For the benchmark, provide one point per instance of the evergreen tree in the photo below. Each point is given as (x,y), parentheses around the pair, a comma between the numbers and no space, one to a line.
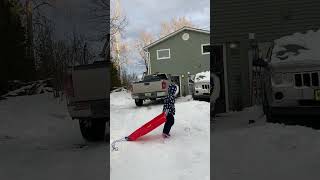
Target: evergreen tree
(14,65)
(115,79)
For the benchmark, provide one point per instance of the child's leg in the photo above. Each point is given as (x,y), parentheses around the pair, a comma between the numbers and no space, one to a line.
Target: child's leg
(168,124)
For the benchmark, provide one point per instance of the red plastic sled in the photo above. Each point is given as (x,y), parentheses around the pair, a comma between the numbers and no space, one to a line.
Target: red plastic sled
(146,128)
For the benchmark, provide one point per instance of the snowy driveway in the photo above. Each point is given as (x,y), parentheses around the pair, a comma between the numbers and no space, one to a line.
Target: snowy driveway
(185,155)
(262,150)
(38,140)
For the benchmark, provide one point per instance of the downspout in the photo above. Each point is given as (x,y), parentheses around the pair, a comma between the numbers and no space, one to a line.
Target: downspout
(149,63)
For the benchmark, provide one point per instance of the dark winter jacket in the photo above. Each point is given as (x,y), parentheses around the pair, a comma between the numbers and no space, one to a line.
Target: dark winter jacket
(170,100)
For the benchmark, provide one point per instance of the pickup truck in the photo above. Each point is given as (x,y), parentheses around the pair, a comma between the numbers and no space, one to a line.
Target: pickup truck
(87,88)
(151,87)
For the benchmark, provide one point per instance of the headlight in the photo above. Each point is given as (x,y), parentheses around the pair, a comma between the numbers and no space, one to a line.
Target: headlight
(287,78)
(282,78)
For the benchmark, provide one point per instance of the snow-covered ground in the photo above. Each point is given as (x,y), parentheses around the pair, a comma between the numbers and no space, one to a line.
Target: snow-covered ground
(185,156)
(38,140)
(262,150)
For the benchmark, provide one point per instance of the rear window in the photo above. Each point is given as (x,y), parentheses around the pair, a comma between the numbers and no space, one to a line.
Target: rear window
(157,77)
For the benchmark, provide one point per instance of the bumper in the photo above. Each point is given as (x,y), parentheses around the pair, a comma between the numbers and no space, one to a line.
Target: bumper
(153,95)
(89,109)
(201,96)
(296,110)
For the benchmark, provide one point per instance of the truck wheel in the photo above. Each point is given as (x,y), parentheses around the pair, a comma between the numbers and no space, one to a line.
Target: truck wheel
(138,102)
(194,97)
(270,117)
(92,129)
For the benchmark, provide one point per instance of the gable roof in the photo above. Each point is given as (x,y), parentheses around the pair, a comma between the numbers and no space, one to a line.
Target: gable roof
(174,33)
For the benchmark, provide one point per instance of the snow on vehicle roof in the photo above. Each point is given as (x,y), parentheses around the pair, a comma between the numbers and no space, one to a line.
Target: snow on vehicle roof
(202,77)
(297,47)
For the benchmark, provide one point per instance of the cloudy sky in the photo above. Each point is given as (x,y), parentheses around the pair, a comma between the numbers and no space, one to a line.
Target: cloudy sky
(144,15)
(147,15)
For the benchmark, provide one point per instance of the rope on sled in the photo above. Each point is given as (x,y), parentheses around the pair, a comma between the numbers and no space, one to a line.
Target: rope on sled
(113,144)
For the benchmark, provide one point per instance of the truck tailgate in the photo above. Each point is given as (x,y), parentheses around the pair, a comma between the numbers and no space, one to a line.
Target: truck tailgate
(90,83)
(144,87)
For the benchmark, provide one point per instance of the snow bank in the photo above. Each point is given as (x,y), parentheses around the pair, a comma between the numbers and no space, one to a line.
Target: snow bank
(297,47)
(121,97)
(29,88)
(202,77)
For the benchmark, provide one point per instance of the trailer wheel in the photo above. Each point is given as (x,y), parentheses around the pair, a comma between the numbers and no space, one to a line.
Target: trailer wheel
(92,129)
(138,102)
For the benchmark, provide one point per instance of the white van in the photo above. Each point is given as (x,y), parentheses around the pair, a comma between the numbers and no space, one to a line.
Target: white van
(293,87)
(201,86)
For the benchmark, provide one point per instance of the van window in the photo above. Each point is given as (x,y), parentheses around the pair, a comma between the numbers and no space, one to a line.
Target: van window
(306,79)
(315,79)
(298,80)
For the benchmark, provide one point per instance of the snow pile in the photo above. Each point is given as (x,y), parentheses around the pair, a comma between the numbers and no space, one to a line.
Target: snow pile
(185,155)
(202,77)
(121,97)
(119,89)
(29,88)
(297,47)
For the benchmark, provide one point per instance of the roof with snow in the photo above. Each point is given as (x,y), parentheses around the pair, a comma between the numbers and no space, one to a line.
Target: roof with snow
(174,33)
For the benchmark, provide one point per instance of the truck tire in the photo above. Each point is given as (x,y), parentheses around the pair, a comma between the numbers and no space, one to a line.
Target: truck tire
(194,97)
(268,116)
(138,102)
(271,117)
(92,129)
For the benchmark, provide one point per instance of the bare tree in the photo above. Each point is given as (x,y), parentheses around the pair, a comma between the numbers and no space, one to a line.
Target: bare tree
(145,38)
(174,24)
(108,25)
(33,15)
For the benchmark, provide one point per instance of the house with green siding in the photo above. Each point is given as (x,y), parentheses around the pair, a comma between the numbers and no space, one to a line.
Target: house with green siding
(243,27)
(181,54)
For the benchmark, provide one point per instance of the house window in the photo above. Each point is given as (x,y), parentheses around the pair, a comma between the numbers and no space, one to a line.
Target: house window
(205,48)
(163,54)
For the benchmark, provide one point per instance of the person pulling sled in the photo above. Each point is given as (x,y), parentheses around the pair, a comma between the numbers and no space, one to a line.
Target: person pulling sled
(169,110)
